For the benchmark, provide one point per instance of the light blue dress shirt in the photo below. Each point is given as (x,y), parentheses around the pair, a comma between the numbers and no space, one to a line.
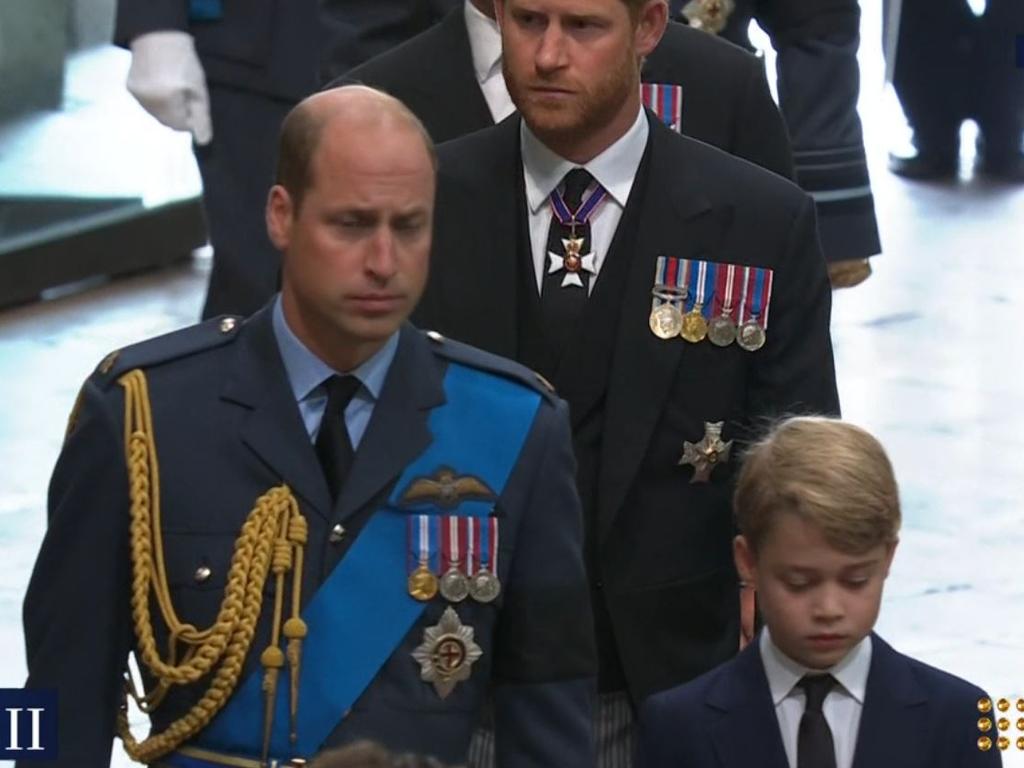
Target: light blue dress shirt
(307,374)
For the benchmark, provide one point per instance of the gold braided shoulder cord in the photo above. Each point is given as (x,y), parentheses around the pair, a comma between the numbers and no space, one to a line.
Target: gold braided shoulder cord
(273,538)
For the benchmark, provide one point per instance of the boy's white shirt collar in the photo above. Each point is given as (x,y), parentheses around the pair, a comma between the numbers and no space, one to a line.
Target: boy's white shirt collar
(783,673)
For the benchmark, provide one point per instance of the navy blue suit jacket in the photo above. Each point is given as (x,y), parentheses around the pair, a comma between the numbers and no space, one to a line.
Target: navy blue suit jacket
(915,716)
(227,428)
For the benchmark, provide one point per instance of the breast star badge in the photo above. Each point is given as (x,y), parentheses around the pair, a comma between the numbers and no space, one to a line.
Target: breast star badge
(447,654)
(707,454)
(573,262)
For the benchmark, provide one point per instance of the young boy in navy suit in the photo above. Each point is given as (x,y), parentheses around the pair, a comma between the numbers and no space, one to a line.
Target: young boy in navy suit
(819,516)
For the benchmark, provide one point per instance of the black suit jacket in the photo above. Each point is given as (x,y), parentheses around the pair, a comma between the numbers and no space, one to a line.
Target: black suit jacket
(726,101)
(663,564)
(915,716)
(227,429)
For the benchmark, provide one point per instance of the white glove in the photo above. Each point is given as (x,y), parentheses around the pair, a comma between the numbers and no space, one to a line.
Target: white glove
(167,79)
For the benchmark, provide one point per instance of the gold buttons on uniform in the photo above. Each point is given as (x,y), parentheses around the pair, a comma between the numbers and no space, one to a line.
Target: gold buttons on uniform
(227,325)
(985,705)
(337,533)
(435,336)
(202,574)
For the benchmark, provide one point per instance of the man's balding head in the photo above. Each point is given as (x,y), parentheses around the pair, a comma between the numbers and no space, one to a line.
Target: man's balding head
(352,109)
(352,215)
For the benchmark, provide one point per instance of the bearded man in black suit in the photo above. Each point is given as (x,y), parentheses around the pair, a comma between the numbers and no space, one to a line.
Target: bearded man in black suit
(637,270)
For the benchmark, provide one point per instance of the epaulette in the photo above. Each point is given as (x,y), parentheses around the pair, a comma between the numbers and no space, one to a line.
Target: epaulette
(502,366)
(170,346)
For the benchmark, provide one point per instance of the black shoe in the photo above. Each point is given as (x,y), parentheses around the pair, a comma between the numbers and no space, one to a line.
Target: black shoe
(925,164)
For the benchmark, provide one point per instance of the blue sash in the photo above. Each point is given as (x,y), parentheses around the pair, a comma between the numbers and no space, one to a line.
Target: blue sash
(363,610)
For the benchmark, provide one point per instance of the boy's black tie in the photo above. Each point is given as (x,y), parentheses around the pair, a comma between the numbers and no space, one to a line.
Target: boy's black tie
(333,445)
(814,745)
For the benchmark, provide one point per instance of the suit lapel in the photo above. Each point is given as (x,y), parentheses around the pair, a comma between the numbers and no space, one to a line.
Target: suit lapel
(742,695)
(892,725)
(397,431)
(272,426)
(460,81)
(480,292)
(677,220)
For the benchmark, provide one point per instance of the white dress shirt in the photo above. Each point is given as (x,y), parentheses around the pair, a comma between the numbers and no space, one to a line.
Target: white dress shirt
(485,43)
(614,169)
(842,707)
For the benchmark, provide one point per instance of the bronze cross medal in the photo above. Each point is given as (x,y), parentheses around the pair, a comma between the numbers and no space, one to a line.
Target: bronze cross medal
(707,454)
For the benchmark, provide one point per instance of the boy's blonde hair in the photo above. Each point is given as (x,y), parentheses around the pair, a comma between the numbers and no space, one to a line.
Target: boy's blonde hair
(827,472)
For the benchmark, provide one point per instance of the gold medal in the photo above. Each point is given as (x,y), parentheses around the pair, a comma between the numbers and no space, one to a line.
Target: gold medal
(722,330)
(694,327)
(751,336)
(454,585)
(666,321)
(422,584)
(447,653)
(484,587)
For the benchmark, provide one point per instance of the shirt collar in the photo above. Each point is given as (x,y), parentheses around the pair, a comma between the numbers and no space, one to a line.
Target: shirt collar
(306,371)
(614,169)
(484,41)
(783,673)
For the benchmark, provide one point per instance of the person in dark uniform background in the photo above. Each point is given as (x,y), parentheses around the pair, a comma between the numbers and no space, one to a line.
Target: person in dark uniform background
(818,86)
(949,65)
(229,71)
(412,498)
(580,238)
(725,98)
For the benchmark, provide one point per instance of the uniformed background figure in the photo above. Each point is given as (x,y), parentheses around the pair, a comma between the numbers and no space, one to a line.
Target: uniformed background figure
(240,65)
(722,95)
(364,463)
(818,86)
(593,243)
(949,65)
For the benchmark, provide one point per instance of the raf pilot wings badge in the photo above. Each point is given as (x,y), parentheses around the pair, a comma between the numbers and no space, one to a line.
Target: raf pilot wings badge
(446,489)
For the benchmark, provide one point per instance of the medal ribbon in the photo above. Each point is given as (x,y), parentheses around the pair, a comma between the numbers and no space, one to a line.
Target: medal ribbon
(769,279)
(756,295)
(724,290)
(583,213)
(666,101)
(707,287)
(492,525)
(745,282)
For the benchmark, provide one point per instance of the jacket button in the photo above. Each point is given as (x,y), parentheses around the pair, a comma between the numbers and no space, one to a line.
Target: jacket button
(337,533)
(202,574)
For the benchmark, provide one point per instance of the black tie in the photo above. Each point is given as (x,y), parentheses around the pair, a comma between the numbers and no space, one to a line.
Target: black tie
(333,445)
(562,306)
(814,746)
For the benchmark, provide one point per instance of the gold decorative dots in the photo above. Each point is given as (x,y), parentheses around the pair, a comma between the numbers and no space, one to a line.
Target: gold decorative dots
(985,705)
(984,743)
(1020,723)
(1020,743)
(1002,705)
(1020,705)
(984,724)
(1004,743)
(1003,724)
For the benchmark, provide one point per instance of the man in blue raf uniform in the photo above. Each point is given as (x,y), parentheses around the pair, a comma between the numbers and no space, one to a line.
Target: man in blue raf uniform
(319,524)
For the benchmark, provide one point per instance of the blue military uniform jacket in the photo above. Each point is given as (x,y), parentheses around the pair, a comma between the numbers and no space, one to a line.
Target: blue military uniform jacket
(227,429)
(915,716)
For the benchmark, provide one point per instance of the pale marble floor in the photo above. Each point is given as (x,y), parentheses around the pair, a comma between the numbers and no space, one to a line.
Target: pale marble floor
(929,358)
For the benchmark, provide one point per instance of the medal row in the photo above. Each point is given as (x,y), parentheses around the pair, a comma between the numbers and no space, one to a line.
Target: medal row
(454,555)
(699,300)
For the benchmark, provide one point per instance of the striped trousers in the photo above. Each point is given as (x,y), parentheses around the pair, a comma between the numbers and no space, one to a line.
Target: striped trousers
(613,732)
